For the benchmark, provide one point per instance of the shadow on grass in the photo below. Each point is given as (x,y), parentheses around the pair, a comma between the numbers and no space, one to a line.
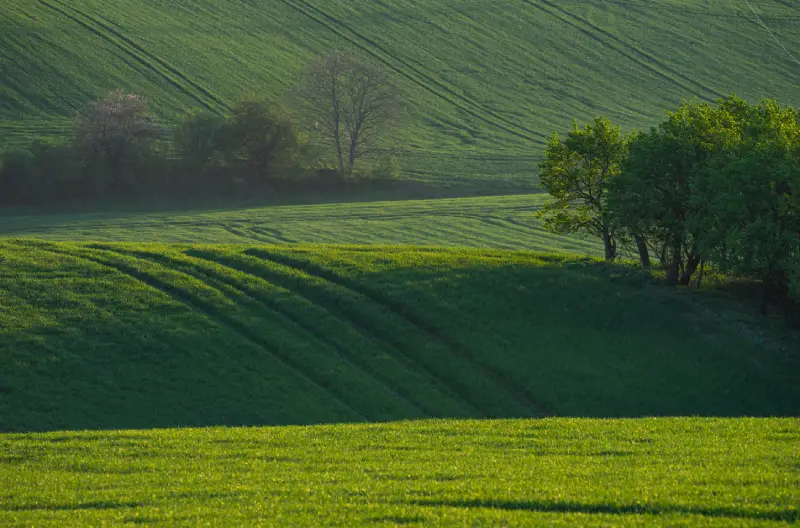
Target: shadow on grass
(631,509)
(398,519)
(559,336)
(94,505)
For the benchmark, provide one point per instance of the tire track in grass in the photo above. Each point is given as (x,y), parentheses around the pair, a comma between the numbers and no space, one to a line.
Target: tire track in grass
(518,393)
(249,239)
(271,233)
(420,72)
(206,274)
(137,52)
(193,303)
(450,96)
(108,25)
(634,54)
(411,364)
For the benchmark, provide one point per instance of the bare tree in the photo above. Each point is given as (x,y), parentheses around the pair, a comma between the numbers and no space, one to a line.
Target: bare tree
(349,104)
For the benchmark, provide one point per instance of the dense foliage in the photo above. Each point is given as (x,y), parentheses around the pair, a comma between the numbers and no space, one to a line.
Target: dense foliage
(714,183)
(577,172)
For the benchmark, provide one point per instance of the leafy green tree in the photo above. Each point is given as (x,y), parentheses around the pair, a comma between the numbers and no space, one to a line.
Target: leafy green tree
(265,137)
(652,196)
(577,172)
(201,137)
(746,206)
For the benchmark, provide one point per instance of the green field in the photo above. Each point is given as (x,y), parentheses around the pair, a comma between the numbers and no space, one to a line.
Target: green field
(391,362)
(112,349)
(485,82)
(553,472)
(140,336)
(505,222)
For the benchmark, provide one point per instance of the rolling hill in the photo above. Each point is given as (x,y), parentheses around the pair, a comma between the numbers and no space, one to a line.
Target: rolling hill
(459,366)
(485,82)
(98,336)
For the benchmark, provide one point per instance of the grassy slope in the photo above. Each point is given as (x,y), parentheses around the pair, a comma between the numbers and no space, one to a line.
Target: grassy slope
(505,222)
(154,336)
(485,81)
(555,472)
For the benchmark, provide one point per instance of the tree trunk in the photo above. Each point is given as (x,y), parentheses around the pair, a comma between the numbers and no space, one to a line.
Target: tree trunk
(673,270)
(609,244)
(353,153)
(339,153)
(674,266)
(688,271)
(700,276)
(337,121)
(644,252)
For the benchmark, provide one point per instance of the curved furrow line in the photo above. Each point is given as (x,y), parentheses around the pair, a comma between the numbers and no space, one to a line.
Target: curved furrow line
(575,22)
(409,363)
(513,221)
(517,392)
(642,53)
(169,67)
(271,233)
(214,278)
(193,303)
(505,225)
(543,233)
(465,105)
(91,24)
(242,234)
(418,71)
(273,236)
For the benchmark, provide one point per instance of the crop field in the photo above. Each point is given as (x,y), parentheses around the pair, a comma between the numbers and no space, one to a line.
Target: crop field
(485,82)
(552,472)
(505,222)
(146,335)
(401,361)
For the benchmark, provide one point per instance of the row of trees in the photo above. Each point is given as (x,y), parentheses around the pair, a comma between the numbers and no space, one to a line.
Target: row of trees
(344,112)
(714,184)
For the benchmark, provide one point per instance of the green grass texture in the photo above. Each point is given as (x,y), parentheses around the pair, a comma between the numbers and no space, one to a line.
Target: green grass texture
(552,472)
(109,336)
(504,222)
(485,82)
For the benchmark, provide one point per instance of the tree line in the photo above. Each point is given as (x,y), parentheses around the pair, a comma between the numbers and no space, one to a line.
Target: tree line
(343,113)
(714,184)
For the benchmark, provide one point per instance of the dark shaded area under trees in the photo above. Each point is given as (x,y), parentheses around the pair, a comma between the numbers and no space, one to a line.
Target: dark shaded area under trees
(119,152)
(713,185)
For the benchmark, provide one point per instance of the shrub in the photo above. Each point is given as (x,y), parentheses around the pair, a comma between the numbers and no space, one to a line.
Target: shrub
(387,169)
(200,138)
(57,174)
(17,177)
(263,136)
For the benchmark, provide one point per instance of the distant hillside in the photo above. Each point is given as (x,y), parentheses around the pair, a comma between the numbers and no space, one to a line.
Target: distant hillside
(497,222)
(486,81)
(139,336)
